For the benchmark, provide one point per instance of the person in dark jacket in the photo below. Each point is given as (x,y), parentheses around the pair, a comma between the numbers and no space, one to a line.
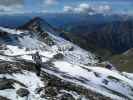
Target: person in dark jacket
(38,62)
(110,67)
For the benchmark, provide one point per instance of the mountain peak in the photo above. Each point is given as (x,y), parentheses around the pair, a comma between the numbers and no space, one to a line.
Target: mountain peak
(33,25)
(38,24)
(36,20)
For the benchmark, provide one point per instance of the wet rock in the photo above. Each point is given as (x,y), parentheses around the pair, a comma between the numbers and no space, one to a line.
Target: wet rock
(38,90)
(6,84)
(42,96)
(22,92)
(67,96)
(51,91)
(71,49)
(58,56)
(16,67)
(3,98)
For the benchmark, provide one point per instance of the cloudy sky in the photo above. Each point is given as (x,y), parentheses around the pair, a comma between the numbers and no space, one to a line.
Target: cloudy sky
(73,6)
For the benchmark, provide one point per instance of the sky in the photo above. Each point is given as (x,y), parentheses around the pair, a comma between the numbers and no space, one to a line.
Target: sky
(66,6)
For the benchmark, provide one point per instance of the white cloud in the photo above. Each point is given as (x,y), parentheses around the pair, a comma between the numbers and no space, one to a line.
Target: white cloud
(68,9)
(11,2)
(11,6)
(50,2)
(86,8)
(104,9)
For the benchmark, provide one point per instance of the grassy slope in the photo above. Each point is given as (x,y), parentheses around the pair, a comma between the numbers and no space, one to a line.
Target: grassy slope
(124,62)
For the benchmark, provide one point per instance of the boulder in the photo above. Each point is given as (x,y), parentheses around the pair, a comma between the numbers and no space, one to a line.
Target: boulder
(58,56)
(22,92)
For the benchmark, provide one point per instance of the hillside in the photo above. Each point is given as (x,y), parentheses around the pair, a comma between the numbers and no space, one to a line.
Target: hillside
(123,61)
(68,71)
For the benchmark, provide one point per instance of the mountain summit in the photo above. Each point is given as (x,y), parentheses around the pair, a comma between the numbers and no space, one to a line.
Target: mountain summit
(38,24)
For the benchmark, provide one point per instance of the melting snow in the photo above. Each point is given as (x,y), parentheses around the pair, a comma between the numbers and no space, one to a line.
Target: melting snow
(11,31)
(86,77)
(29,79)
(5,58)
(31,43)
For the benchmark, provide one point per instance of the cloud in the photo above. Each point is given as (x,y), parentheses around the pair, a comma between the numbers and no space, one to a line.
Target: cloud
(11,2)
(103,9)
(11,6)
(82,8)
(86,8)
(50,2)
(68,9)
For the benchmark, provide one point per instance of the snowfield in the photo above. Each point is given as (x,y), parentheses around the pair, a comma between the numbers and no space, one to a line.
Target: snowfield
(29,79)
(95,78)
(77,66)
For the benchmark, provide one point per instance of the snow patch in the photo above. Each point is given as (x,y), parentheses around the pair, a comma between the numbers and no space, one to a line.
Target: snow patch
(29,79)
(11,31)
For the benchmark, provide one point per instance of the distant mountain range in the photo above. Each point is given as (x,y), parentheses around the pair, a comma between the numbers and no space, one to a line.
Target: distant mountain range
(116,36)
(59,20)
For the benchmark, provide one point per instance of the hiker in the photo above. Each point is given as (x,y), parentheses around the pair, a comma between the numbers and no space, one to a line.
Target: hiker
(110,67)
(38,62)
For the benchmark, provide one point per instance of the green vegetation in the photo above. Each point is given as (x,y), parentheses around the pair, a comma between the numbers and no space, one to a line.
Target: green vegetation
(123,62)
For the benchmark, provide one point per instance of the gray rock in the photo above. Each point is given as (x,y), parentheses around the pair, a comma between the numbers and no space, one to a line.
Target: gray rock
(58,56)
(6,84)
(38,90)
(51,91)
(67,96)
(3,98)
(22,92)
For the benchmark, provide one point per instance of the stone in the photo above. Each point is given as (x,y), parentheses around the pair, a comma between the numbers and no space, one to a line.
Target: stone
(3,98)
(22,92)
(51,91)
(38,90)
(5,84)
(58,56)
(67,96)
